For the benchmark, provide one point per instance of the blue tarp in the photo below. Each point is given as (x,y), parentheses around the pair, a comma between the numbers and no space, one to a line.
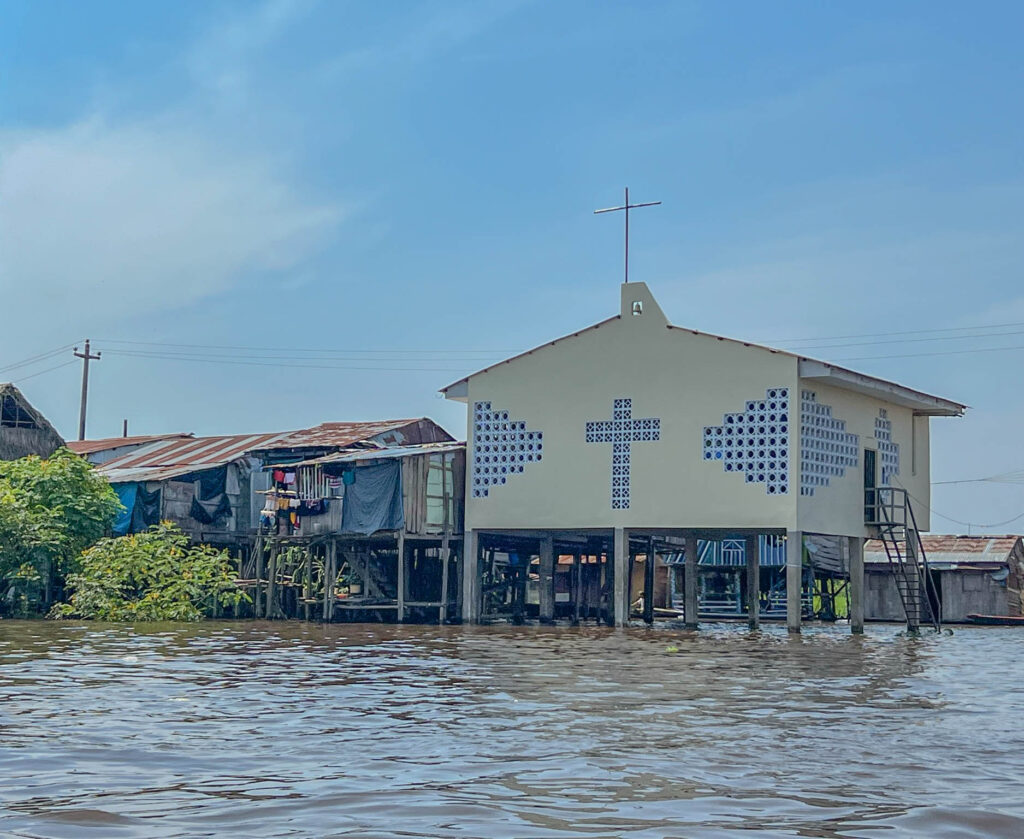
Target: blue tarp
(373,501)
(126,494)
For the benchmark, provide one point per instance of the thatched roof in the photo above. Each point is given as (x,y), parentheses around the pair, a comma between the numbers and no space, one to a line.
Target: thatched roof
(23,430)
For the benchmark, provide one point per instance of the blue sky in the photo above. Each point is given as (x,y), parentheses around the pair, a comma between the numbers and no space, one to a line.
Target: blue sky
(409,187)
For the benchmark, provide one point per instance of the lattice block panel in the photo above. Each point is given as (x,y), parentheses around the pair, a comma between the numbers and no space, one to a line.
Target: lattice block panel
(888,451)
(755,442)
(827,449)
(502,447)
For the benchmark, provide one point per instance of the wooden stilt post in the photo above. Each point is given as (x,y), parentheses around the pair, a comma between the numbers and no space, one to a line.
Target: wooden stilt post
(577,587)
(257,597)
(753,551)
(446,553)
(271,607)
(691,604)
(401,576)
(307,583)
(522,574)
(649,583)
(329,560)
(547,579)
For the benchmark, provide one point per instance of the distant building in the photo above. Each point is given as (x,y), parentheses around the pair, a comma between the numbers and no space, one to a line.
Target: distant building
(972,575)
(23,430)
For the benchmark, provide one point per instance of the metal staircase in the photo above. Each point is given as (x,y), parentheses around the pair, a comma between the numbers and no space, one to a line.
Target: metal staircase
(889,510)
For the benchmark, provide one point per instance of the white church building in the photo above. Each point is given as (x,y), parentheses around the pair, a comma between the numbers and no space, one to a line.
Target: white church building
(633,439)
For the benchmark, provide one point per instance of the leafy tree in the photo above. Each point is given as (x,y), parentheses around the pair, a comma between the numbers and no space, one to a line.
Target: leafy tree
(151,576)
(50,510)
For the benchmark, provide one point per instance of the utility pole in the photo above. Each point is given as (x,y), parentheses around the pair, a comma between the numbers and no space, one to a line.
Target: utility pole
(86,358)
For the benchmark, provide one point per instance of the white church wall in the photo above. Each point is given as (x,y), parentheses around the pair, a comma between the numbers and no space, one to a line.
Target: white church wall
(610,429)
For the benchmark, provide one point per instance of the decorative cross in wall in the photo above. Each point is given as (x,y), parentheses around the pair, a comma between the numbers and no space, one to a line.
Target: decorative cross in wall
(622,431)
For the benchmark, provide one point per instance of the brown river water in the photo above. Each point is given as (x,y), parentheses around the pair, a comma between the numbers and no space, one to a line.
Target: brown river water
(295,730)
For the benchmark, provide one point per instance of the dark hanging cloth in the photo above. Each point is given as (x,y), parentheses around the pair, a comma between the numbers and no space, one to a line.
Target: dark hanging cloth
(213,483)
(373,500)
(212,511)
(147,509)
(315,507)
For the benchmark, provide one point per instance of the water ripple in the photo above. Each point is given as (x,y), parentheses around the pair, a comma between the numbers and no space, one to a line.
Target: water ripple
(295,730)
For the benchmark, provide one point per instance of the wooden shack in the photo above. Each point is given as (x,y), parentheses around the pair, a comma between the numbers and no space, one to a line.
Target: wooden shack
(23,430)
(371,534)
(970,575)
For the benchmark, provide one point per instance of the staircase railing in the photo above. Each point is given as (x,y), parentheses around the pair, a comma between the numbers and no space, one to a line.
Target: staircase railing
(890,511)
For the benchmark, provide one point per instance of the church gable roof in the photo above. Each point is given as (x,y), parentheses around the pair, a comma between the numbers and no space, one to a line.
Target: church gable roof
(638,294)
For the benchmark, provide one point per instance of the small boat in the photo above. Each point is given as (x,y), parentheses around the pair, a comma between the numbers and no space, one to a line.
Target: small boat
(996,620)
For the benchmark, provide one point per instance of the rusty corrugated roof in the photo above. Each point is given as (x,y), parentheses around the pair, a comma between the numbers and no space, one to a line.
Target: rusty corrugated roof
(166,459)
(940,548)
(343,434)
(103,444)
(170,457)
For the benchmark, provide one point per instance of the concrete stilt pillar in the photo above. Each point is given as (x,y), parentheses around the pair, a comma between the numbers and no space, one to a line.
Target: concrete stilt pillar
(620,581)
(856,589)
(691,603)
(794,578)
(547,580)
(471,577)
(753,580)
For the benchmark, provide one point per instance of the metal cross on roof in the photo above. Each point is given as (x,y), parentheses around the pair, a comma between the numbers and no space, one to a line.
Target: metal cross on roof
(626,207)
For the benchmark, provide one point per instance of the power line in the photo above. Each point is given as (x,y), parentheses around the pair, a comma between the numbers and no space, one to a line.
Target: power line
(40,373)
(239,361)
(1005,478)
(34,359)
(928,354)
(263,349)
(274,357)
(901,332)
(911,340)
(964,523)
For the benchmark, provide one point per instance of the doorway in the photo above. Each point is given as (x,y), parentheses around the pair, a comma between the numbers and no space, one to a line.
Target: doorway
(870,485)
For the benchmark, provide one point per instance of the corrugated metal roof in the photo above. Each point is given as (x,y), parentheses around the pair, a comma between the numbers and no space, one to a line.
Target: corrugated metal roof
(166,459)
(380,453)
(343,434)
(103,444)
(953,550)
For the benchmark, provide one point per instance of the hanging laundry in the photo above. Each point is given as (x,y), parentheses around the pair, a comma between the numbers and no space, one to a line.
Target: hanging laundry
(278,476)
(313,507)
(289,477)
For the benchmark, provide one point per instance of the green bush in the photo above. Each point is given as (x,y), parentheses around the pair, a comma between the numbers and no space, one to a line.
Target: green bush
(151,576)
(50,511)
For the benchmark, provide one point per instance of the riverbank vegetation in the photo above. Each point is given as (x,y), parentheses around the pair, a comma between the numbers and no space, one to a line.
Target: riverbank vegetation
(150,576)
(57,556)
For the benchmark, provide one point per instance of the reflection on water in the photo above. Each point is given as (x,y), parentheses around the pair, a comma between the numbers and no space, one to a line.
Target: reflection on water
(297,730)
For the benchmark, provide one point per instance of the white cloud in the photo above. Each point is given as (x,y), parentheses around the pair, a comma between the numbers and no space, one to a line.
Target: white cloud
(221,57)
(136,217)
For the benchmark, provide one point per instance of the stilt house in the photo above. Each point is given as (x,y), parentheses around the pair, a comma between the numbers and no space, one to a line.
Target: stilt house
(635,438)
